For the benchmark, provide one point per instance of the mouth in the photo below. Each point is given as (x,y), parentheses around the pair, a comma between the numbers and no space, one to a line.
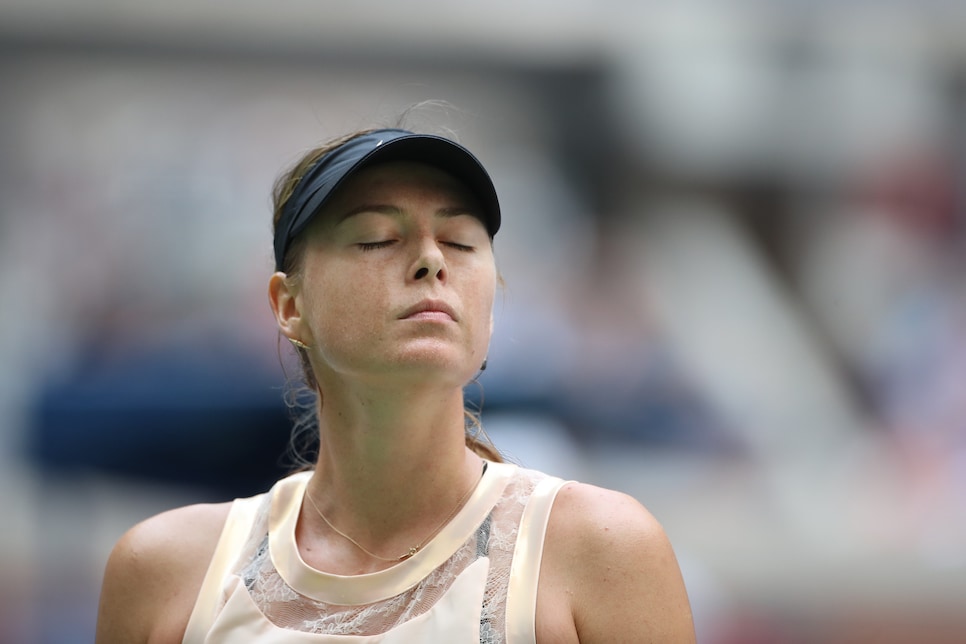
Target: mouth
(430,310)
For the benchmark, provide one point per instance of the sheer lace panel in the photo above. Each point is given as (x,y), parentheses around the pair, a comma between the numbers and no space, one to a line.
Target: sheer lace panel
(495,538)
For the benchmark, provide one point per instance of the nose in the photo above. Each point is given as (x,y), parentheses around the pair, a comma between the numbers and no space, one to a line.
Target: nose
(429,262)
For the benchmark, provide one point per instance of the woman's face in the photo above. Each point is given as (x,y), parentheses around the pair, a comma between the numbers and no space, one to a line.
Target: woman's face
(398,278)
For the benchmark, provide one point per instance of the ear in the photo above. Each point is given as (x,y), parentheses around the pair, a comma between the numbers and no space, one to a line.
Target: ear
(287,307)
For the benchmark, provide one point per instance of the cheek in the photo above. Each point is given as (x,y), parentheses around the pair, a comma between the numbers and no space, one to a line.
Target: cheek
(483,307)
(349,306)
(343,303)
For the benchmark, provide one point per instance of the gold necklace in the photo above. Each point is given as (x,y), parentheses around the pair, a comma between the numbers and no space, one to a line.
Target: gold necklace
(412,550)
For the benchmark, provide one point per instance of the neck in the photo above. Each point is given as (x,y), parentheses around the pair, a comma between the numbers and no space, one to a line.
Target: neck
(390,467)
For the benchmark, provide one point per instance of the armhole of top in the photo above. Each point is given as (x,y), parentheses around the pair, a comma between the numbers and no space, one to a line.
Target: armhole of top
(521,605)
(234,534)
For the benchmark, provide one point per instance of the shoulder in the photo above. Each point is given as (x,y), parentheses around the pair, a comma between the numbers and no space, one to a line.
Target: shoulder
(154,572)
(613,556)
(596,517)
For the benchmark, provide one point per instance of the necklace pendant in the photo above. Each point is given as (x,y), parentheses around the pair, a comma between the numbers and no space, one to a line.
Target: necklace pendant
(412,551)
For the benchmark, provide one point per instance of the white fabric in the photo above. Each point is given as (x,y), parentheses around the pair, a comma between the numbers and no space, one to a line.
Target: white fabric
(459,588)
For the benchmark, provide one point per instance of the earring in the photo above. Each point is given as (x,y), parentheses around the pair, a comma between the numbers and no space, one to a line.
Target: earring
(483,366)
(299,344)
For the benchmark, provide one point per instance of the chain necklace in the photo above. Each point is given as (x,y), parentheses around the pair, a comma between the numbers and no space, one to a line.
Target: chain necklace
(412,550)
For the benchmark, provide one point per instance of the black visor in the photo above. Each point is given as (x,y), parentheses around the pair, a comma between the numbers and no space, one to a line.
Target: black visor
(325,177)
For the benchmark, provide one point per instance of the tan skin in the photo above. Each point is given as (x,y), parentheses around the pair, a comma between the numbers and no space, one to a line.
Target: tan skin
(394,463)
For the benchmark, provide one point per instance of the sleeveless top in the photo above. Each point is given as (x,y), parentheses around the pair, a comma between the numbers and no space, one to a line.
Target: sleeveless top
(475,581)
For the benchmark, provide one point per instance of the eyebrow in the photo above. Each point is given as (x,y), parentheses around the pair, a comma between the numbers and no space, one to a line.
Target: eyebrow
(396,211)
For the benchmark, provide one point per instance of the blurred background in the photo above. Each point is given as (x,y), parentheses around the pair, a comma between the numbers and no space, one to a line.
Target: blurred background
(733,254)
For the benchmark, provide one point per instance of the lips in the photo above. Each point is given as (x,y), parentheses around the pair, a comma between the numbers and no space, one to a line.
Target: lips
(429,309)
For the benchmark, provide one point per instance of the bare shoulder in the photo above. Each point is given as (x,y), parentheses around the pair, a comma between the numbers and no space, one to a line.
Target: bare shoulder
(600,519)
(622,578)
(154,573)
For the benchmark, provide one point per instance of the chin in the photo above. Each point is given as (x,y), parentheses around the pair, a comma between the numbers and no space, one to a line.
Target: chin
(442,365)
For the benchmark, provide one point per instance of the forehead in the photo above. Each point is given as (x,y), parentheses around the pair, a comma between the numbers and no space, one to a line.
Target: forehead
(398,186)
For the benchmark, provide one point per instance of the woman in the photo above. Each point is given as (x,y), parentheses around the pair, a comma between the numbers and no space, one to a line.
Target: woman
(407,529)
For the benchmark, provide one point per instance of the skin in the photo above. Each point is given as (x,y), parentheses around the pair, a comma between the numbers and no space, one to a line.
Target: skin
(393,463)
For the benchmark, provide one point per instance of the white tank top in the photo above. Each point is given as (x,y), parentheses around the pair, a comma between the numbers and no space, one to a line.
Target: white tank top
(476,581)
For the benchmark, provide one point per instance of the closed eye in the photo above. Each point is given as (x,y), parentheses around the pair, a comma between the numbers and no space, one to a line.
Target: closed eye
(460,247)
(367,246)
